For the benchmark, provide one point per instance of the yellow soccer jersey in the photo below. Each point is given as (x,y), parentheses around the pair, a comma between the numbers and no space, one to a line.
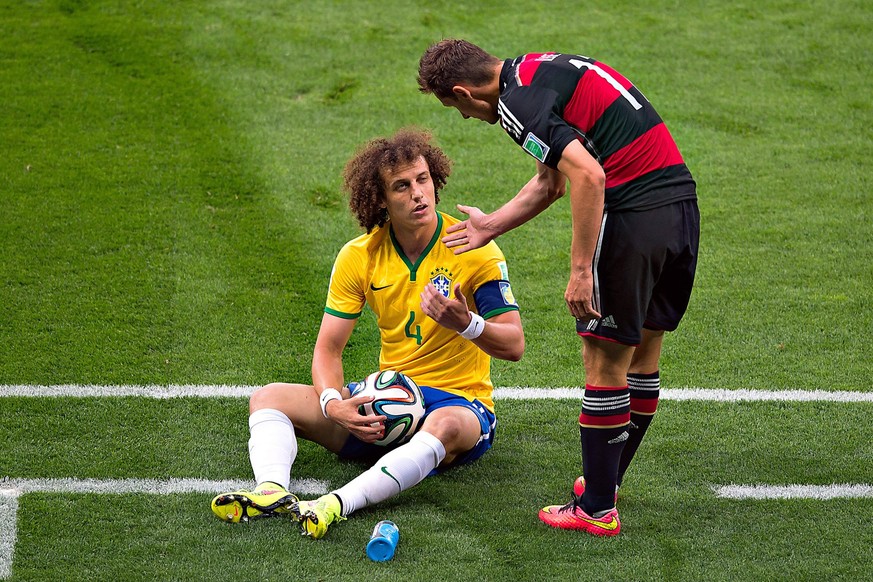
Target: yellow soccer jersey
(372,269)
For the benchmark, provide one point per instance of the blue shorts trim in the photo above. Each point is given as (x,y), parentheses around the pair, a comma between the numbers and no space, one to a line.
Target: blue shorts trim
(434,399)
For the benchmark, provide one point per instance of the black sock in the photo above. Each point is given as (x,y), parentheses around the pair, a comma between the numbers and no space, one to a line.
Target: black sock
(601,451)
(644,393)
(603,431)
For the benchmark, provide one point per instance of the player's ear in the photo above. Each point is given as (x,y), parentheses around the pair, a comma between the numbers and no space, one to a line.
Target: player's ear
(461,93)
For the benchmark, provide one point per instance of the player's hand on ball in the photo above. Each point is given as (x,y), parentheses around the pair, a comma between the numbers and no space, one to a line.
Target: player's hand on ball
(346,413)
(396,396)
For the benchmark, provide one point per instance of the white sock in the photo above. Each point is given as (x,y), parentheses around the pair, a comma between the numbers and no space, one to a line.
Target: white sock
(396,471)
(272,446)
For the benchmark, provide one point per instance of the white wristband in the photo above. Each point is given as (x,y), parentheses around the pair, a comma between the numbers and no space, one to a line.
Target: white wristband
(327,395)
(476,327)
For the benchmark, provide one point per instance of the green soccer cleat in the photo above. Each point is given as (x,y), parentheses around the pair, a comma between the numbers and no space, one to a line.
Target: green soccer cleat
(264,501)
(315,516)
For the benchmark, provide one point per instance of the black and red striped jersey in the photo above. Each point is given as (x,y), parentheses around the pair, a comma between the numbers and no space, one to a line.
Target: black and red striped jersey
(549,99)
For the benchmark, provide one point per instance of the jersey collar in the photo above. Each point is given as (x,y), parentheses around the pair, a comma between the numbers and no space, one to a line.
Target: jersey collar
(413,268)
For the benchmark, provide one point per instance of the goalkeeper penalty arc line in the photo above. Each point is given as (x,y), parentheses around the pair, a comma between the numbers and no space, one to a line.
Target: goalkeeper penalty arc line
(519,393)
(12,489)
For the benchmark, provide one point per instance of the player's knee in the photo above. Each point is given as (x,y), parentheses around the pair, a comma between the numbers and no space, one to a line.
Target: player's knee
(454,432)
(265,397)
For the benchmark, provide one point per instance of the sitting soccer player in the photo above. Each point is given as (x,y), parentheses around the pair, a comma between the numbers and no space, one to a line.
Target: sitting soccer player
(441,316)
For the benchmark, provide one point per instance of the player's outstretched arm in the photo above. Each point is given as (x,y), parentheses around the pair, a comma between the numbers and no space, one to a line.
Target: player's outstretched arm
(479,228)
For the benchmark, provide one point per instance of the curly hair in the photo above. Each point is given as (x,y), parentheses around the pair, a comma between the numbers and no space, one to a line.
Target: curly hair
(363,180)
(453,62)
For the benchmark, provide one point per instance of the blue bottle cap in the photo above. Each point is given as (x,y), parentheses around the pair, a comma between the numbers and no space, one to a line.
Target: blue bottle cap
(380,549)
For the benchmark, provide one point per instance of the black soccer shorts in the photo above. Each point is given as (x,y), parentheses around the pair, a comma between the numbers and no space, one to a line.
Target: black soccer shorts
(643,271)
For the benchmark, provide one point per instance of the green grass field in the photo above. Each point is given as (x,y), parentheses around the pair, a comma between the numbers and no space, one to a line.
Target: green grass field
(170,209)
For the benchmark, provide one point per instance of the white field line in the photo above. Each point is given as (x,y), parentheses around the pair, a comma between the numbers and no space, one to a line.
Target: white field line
(155,486)
(8,533)
(516,393)
(12,489)
(819,492)
(705,394)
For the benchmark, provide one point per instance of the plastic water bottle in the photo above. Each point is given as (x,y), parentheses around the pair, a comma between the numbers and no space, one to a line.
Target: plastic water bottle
(383,542)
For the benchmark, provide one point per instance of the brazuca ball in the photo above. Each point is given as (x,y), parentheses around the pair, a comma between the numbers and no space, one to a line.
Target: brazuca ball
(397,397)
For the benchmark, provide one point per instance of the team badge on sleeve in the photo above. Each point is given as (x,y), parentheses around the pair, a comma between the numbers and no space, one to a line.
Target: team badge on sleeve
(536,147)
(506,291)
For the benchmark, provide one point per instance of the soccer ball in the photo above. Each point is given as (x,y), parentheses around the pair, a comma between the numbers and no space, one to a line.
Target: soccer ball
(399,398)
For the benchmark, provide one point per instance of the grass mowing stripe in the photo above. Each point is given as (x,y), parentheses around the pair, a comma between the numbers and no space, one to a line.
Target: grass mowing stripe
(518,393)
(10,490)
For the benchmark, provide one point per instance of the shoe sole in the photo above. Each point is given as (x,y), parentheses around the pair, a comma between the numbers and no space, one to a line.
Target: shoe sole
(235,507)
(309,520)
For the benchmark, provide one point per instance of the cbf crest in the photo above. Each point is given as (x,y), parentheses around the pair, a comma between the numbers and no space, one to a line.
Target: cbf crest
(442,279)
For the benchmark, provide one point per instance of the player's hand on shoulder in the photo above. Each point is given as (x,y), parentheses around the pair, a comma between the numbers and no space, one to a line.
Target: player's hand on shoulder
(346,413)
(469,234)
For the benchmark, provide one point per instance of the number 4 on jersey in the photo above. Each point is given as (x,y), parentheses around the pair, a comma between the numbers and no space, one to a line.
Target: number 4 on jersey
(417,335)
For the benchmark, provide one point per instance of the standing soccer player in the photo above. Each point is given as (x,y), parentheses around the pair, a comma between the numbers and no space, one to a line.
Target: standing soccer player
(635,233)
(441,319)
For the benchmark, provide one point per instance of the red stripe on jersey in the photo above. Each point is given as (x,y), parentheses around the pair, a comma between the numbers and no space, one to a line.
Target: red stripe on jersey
(593,94)
(528,67)
(654,150)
